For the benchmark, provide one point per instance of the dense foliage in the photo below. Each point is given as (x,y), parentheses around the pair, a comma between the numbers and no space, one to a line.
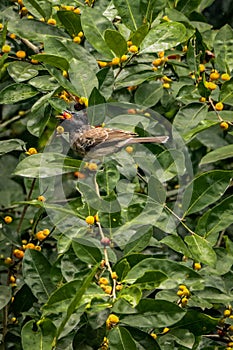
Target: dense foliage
(134,251)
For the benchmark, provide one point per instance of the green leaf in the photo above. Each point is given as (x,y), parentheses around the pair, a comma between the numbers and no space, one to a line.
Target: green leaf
(222,48)
(5,296)
(86,251)
(226,93)
(206,189)
(163,37)
(150,313)
(176,243)
(65,83)
(17,92)
(53,60)
(82,77)
(120,339)
(187,6)
(216,219)
(71,21)
(36,272)
(151,8)
(38,335)
(35,30)
(138,36)
(95,98)
(129,11)
(138,242)
(39,8)
(143,338)
(194,113)
(108,177)
(171,164)
(132,294)
(201,249)
(218,154)
(94,25)
(46,165)
(44,83)
(21,71)
(116,42)
(11,145)
(149,94)
(37,120)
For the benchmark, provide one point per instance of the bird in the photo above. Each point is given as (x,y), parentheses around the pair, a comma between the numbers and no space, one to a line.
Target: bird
(96,142)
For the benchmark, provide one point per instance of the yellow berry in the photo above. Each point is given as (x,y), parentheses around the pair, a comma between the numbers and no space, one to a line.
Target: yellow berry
(8,261)
(124,58)
(90,220)
(56,8)
(24,11)
(30,17)
(166,86)
(227,313)
(19,254)
(83,101)
(52,21)
(92,166)
(12,279)
(8,219)
(185,48)
(40,235)
(13,319)
(129,149)
(214,75)
(219,106)
(104,281)
(230,329)
(30,246)
(116,60)
(113,319)
(197,266)
(202,99)
(108,290)
(119,287)
(154,336)
(41,198)
(114,275)
(77,40)
(102,64)
(157,62)
(1,26)
(96,216)
(42,19)
(20,2)
(21,54)
(225,76)
(129,43)
(12,36)
(224,125)
(166,18)
(211,86)
(38,248)
(77,11)
(165,330)
(201,67)
(34,61)
(31,151)
(133,49)
(81,34)
(182,287)
(6,48)
(184,301)
(180,293)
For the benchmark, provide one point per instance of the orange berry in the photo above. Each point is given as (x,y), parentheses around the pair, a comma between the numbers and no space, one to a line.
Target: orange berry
(197,266)
(133,49)
(8,261)
(79,175)
(8,219)
(104,281)
(211,86)
(92,166)
(23,11)
(52,21)
(40,235)
(202,99)
(224,125)
(102,64)
(90,220)
(77,40)
(19,254)
(129,43)
(108,290)
(12,36)
(214,75)
(114,275)
(124,58)
(116,60)
(31,151)
(157,62)
(30,246)
(219,106)
(6,48)
(225,77)
(41,199)
(77,11)
(34,61)
(129,149)
(12,279)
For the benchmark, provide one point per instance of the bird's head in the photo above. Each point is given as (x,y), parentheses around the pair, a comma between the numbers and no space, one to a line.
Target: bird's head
(72,121)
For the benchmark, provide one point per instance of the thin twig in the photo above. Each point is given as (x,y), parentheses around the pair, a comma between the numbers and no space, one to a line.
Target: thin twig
(213,106)
(179,219)
(26,206)
(30,45)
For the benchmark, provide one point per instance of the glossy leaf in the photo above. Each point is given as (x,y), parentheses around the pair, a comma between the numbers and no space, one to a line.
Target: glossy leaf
(86,251)
(39,337)
(149,95)
(206,189)
(11,145)
(201,249)
(129,12)
(36,272)
(222,48)
(71,22)
(217,154)
(17,92)
(151,312)
(52,60)
(120,339)
(39,8)
(163,37)
(5,296)
(116,42)
(94,25)
(226,94)
(21,71)
(45,165)
(82,77)
(187,7)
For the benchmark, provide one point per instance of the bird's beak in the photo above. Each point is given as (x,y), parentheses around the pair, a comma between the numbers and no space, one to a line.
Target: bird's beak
(65,115)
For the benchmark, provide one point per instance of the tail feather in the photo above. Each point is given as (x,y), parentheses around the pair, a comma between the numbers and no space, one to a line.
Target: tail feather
(150,139)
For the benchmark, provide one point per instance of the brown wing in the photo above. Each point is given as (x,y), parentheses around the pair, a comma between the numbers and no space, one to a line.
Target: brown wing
(106,134)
